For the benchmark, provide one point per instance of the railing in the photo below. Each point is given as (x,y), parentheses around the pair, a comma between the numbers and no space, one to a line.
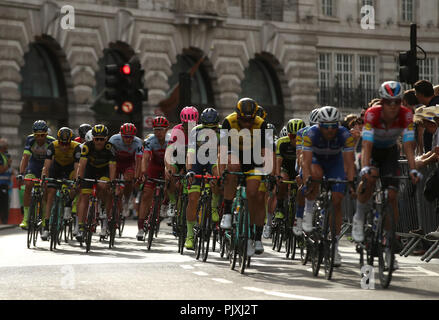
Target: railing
(340,97)
(414,210)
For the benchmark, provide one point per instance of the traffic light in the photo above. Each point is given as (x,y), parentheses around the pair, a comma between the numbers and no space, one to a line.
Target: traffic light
(125,86)
(408,68)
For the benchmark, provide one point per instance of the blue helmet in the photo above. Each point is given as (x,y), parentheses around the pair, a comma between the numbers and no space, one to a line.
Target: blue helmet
(209,117)
(40,126)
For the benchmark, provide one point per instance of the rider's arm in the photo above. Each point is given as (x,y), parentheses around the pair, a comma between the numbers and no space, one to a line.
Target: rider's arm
(45,171)
(306,164)
(349,161)
(366,152)
(112,167)
(410,154)
(145,162)
(81,167)
(24,162)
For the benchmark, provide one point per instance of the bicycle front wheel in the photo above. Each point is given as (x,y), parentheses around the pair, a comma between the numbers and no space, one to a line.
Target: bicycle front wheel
(89,225)
(329,242)
(244,237)
(31,223)
(386,247)
(152,223)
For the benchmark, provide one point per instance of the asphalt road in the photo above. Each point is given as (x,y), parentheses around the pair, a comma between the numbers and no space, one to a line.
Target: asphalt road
(130,272)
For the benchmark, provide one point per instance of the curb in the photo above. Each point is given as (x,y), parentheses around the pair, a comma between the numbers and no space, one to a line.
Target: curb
(7,226)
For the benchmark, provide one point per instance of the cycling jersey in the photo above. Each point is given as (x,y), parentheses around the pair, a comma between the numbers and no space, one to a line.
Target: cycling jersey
(176,138)
(175,134)
(38,154)
(375,129)
(98,158)
(64,158)
(231,122)
(157,151)
(126,153)
(200,135)
(287,152)
(323,149)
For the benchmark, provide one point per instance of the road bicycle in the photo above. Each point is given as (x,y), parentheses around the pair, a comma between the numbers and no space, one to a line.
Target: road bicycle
(35,212)
(152,222)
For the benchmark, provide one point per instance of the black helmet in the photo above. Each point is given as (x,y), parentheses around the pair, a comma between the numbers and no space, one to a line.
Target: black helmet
(83,129)
(246,108)
(65,135)
(272,127)
(99,130)
(261,112)
(40,126)
(209,117)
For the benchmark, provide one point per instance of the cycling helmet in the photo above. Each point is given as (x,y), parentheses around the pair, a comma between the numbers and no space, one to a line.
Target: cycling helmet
(272,127)
(261,112)
(391,90)
(160,122)
(314,117)
(40,126)
(89,136)
(328,114)
(83,129)
(189,114)
(210,117)
(65,135)
(128,129)
(246,108)
(99,130)
(283,132)
(294,125)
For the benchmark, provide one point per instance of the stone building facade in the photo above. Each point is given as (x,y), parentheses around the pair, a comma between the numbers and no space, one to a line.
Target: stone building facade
(287,53)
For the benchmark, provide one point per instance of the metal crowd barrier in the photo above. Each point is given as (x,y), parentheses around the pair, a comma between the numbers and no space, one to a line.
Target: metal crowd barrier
(414,210)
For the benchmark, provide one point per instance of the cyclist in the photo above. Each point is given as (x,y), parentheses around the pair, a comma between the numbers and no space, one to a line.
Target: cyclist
(327,149)
(32,162)
(384,124)
(98,161)
(244,118)
(283,132)
(61,163)
(300,208)
(286,162)
(82,131)
(202,135)
(129,152)
(177,147)
(153,166)
(269,195)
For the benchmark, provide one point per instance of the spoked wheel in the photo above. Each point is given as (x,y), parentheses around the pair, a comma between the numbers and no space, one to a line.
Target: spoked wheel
(329,243)
(281,237)
(31,224)
(386,248)
(291,244)
(206,234)
(304,252)
(222,241)
(121,225)
(244,237)
(88,228)
(152,224)
(275,236)
(316,255)
(233,248)
(54,227)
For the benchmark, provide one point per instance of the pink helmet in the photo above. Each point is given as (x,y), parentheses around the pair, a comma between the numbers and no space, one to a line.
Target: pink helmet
(189,114)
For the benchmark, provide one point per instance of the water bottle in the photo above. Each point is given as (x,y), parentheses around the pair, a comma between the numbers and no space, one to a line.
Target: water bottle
(375,221)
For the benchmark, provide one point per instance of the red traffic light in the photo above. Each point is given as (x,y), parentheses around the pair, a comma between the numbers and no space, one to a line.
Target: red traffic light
(126,69)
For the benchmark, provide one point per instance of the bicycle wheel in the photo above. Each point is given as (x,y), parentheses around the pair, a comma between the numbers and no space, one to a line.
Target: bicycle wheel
(152,223)
(182,226)
(329,242)
(121,225)
(281,236)
(88,227)
(31,222)
(386,247)
(304,252)
(207,231)
(244,237)
(54,225)
(275,235)
(112,225)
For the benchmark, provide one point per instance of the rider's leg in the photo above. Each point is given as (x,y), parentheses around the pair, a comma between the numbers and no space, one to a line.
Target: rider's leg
(283,190)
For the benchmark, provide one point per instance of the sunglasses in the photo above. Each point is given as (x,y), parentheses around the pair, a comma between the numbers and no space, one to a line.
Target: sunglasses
(128,137)
(98,139)
(329,125)
(247,120)
(65,144)
(40,135)
(392,102)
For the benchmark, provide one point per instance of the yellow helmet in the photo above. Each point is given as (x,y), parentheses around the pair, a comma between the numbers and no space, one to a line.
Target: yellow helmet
(246,108)
(261,112)
(99,130)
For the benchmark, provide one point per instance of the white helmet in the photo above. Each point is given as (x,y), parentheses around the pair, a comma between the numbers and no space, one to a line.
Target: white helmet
(328,114)
(283,132)
(314,117)
(89,136)
(391,90)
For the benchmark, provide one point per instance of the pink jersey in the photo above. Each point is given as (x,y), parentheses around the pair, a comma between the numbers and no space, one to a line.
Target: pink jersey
(176,133)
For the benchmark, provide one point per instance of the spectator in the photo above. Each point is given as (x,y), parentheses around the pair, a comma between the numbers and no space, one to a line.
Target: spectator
(428,118)
(410,101)
(425,94)
(374,102)
(348,119)
(5,179)
(436,90)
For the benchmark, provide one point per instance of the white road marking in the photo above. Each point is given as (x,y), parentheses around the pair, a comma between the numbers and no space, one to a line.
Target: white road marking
(222,280)
(200,273)
(186,267)
(282,294)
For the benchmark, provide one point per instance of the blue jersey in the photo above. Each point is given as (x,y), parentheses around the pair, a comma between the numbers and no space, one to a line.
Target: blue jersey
(323,149)
(37,153)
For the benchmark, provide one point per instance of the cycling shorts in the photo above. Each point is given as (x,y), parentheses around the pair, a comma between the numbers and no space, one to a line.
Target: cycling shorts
(332,169)
(125,167)
(386,160)
(94,173)
(155,171)
(57,171)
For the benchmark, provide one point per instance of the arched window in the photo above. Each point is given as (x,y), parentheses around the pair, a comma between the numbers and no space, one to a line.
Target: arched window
(201,91)
(39,74)
(43,88)
(261,84)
